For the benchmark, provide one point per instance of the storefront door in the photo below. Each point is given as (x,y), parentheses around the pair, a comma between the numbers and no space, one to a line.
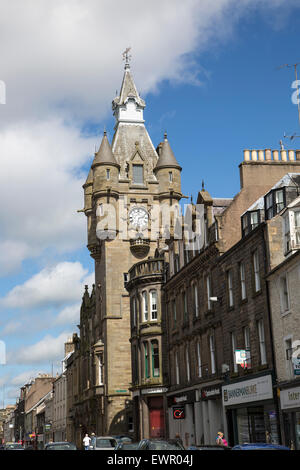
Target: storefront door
(156,417)
(251,425)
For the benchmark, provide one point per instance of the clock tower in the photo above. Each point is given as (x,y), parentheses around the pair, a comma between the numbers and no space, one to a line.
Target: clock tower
(127,185)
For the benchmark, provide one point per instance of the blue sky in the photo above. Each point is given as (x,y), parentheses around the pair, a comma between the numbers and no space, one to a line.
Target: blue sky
(210,78)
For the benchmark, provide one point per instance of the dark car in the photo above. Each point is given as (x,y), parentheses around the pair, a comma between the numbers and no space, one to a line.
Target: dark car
(260,446)
(60,446)
(127,445)
(209,447)
(13,446)
(160,444)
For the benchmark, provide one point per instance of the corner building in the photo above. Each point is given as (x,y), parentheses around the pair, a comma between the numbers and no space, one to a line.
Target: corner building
(130,181)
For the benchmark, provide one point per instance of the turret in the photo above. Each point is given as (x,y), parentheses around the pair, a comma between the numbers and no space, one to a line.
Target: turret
(105,168)
(168,172)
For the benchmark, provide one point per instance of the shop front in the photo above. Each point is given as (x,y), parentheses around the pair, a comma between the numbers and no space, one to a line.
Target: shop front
(149,413)
(290,415)
(181,415)
(209,418)
(251,411)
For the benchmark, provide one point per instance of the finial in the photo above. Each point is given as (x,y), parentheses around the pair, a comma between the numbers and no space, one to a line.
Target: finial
(86,287)
(104,132)
(126,57)
(203,185)
(165,136)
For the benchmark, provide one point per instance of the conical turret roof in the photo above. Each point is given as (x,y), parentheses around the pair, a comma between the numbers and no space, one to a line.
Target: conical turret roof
(104,156)
(166,157)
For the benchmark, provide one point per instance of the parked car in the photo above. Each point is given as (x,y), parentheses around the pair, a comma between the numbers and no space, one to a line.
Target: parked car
(127,445)
(209,447)
(160,444)
(13,446)
(123,437)
(105,443)
(60,446)
(260,446)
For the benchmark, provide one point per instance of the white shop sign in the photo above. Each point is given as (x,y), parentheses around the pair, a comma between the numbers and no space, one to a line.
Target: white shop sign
(290,398)
(248,391)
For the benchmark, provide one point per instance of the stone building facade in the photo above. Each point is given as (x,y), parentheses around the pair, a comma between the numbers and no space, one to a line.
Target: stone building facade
(129,181)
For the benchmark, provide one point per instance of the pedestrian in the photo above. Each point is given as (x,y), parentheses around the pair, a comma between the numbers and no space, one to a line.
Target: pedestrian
(220,439)
(178,438)
(93,439)
(86,442)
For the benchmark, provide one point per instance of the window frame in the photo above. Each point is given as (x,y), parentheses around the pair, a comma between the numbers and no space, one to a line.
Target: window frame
(141,180)
(153,311)
(262,342)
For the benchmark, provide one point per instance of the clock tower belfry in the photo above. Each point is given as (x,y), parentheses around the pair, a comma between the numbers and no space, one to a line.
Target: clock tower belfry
(130,179)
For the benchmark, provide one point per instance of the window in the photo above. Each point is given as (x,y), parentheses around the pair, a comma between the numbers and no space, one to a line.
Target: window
(187,363)
(153,302)
(199,359)
(100,369)
(155,358)
(196,300)
(174,313)
(170,177)
(208,290)
(243,281)
(185,310)
(137,174)
(233,348)
(274,202)
(146,360)
(256,271)
(247,345)
(176,263)
(145,306)
(297,226)
(107,174)
(284,295)
(100,210)
(133,311)
(135,364)
(177,368)
(286,232)
(250,221)
(262,344)
(212,353)
(230,287)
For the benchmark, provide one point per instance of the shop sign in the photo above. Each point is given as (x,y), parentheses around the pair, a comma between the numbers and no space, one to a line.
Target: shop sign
(187,397)
(248,391)
(153,390)
(47,427)
(178,412)
(207,393)
(290,398)
(296,365)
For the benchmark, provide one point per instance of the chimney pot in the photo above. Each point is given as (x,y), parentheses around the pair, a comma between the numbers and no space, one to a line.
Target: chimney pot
(283,155)
(254,155)
(276,155)
(246,155)
(261,155)
(298,155)
(291,155)
(268,154)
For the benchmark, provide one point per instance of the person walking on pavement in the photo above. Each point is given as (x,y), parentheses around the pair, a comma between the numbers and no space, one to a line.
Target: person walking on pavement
(93,439)
(86,442)
(220,439)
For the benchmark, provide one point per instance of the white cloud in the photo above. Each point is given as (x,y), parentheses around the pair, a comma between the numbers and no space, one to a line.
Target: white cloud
(53,286)
(48,349)
(61,62)
(69,315)
(11,327)
(24,377)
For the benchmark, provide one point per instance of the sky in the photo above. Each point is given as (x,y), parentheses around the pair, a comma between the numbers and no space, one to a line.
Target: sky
(211,78)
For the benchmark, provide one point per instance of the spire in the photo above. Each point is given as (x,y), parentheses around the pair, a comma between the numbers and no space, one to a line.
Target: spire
(166,157)
(123,107)
(104,156)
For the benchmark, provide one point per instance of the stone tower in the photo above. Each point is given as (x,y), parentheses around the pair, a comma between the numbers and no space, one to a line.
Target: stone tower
(127,184)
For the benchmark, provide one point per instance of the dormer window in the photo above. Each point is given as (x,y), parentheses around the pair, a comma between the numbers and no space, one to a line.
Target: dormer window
(274,202)
(250,221)
(137,174)
(291,230)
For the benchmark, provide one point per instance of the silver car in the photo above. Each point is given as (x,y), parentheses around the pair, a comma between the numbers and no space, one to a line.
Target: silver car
(104,443)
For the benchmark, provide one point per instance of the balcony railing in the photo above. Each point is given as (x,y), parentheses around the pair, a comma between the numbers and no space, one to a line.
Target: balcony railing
(152,266)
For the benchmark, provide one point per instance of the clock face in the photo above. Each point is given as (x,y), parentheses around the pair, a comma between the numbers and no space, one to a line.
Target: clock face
(138,217)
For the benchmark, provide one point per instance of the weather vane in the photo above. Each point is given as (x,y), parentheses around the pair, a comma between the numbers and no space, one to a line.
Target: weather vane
(126,55)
